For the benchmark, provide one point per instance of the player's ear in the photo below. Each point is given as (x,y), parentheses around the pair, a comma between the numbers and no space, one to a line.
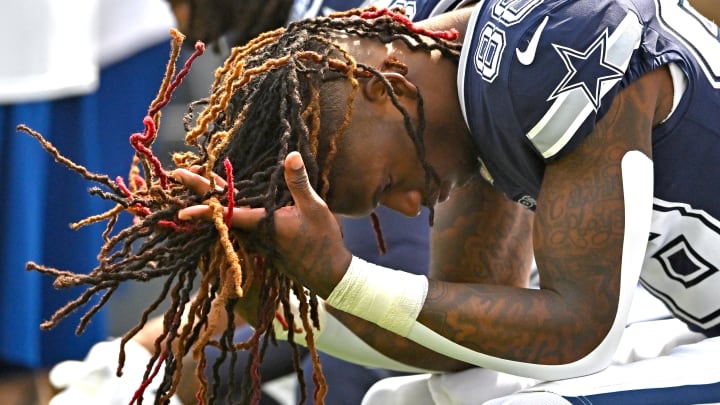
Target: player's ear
(376,90)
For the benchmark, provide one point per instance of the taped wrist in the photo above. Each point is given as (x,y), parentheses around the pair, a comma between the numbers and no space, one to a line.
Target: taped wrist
(337,340)
(389,298)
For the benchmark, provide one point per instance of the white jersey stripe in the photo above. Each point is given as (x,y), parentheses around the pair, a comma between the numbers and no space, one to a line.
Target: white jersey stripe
(464,55)
(570,109)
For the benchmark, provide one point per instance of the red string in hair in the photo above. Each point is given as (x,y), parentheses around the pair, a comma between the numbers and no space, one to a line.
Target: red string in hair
(199,50)
(282,320)
(372,13)
(140,391)
(144,211)
(177,227)
(378,233)
(139,182)
(140,141)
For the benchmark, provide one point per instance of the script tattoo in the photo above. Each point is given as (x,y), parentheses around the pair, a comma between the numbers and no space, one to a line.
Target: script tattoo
(482,237)
(578,236)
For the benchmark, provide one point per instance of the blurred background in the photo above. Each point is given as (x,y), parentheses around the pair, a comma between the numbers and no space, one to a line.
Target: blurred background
(83,73)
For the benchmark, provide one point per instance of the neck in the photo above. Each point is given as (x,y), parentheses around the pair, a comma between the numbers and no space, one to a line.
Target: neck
(436,77)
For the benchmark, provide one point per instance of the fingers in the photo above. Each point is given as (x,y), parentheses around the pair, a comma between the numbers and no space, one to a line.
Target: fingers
(297,180)
(220,181)
(244,218)
(193,180)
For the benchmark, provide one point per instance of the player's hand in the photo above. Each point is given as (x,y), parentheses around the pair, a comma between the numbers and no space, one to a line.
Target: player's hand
(193,180)
(307,234)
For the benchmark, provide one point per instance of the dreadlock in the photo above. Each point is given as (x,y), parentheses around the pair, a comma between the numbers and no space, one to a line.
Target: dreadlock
(242,21)
(267,100)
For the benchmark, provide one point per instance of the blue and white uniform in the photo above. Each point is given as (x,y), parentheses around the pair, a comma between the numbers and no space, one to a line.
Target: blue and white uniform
(586,52)
(535,78)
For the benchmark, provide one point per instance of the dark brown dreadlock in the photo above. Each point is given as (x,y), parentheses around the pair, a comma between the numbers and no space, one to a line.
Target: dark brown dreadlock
(265,102)
(242,21)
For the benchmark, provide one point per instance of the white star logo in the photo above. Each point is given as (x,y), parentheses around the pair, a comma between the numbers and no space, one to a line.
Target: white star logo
(587,70)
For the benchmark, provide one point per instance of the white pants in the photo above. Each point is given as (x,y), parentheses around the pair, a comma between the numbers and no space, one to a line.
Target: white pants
(657,361)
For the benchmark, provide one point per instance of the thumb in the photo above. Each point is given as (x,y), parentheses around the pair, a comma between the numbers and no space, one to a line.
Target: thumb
(297,180)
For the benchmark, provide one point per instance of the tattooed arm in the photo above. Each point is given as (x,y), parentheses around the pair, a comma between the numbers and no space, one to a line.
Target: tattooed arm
(578,241)
(490,242)
(480,256)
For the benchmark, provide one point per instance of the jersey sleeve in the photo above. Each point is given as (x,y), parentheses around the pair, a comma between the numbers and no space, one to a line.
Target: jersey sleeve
(586,52)
(536,76)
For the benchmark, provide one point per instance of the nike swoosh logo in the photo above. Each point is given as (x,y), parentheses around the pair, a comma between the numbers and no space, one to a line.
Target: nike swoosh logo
(527,56)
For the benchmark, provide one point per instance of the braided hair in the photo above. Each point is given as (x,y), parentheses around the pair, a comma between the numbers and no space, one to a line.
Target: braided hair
(241,21)
(269,98)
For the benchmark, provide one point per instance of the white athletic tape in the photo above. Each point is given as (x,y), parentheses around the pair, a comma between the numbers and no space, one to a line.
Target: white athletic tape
(337,340)
(389,298)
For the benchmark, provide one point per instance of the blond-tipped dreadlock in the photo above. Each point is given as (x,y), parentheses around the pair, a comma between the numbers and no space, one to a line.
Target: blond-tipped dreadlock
(265,102)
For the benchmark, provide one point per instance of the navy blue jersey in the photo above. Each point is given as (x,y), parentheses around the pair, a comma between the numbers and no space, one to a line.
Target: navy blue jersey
(415,9)
(535,78)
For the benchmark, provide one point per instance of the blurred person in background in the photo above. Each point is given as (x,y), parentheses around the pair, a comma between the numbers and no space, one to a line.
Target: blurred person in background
(83,73)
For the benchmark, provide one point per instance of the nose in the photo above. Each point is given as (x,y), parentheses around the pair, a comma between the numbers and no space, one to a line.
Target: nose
(407,203)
